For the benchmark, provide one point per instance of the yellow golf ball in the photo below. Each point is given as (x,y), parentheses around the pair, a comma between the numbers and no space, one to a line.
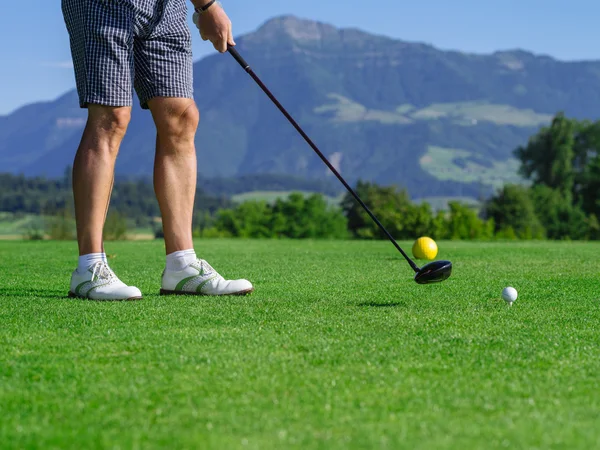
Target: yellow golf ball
(425,248)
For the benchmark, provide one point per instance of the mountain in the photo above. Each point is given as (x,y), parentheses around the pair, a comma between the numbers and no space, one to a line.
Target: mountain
(437,122)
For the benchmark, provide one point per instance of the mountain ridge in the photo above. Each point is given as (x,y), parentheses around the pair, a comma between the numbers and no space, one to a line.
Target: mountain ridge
(384,109)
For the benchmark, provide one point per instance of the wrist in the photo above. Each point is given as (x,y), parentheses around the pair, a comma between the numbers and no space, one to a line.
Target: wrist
(201,6)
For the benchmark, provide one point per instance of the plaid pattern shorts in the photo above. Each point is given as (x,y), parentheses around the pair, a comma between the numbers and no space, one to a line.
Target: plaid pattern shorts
(121,45)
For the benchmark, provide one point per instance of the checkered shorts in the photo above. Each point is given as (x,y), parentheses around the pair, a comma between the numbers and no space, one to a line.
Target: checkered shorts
(118,45)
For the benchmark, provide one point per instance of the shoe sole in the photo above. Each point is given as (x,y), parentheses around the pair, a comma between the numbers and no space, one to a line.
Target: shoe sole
(246,292)
(130,299)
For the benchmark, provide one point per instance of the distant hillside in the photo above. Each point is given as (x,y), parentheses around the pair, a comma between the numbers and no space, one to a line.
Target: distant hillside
(437,122)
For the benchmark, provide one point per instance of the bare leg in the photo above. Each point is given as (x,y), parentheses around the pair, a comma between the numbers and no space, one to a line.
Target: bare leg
(176,122)
(93,172)
(175,185)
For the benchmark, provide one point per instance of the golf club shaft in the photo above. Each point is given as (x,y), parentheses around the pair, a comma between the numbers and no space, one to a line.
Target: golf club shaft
(250,72)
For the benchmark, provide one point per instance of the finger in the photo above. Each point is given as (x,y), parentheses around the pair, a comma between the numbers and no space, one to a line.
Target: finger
(221,45)
(230,40)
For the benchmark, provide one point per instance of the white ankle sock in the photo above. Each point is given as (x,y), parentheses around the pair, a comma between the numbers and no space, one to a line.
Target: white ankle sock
(177,261)
(85,261)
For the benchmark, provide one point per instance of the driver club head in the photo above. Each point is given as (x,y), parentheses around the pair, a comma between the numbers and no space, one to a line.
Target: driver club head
(434,272)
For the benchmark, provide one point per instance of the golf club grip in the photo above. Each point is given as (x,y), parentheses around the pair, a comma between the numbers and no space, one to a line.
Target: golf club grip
(288,116)
(241,61)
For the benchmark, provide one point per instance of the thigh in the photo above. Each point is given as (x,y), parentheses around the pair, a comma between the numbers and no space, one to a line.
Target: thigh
(163,57)
(101,38)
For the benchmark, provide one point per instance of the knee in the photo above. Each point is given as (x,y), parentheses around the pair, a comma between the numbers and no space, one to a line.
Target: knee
(110,121)
(179,122)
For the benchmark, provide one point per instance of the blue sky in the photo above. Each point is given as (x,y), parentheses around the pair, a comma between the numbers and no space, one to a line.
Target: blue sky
(35,57)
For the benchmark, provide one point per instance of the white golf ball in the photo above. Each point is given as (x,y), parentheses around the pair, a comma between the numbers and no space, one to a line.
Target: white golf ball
(509,294)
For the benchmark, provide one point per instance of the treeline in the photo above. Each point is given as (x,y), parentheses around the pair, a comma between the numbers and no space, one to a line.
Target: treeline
(20,194)
(312,217)
(268,182)
(229,186)
(562,162)
(297,216)
(134,199)
(560,201)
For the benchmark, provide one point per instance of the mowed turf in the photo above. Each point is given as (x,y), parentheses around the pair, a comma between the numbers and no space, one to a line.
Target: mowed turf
(337,348)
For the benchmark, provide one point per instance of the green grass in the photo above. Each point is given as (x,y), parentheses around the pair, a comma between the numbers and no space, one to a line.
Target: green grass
(17,224)
(470,113)
(337,348)
(439,162)
(343,109)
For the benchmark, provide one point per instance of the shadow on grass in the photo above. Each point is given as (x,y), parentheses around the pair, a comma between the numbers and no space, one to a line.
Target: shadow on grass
(55,295)
(45,293)
(382,304)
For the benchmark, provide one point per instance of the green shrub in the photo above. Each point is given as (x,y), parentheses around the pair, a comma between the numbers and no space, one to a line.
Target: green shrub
(115,227)
(507,233)
(295,217)
(34,230)
(464,223)
(513,208)
(61,227)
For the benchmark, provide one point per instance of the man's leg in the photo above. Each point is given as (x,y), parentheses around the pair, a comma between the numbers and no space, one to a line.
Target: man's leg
(176,121)
(163,82)
(93,172)
(101,39)
(93,175)
(175,185)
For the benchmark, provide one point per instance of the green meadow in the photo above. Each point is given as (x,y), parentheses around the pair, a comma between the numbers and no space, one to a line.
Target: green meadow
(336,348)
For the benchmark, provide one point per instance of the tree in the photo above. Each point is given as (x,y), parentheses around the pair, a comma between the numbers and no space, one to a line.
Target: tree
(561,219)
(297,217)
(392,207)
(586,149)
(589,188)
(464,223)
(566,156)
(439,226)
(309,217)
(593,227)
(513,208)
(548,157)
(406,220)
(247,220)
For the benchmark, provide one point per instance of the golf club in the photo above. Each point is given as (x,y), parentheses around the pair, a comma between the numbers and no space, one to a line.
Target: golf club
(433,272)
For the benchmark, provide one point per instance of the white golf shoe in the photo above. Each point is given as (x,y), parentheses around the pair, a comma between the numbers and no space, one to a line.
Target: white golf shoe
(99,282)
(199,278)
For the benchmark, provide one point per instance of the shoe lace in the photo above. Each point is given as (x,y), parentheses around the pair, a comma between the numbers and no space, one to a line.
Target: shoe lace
(206,268)
(101,270)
